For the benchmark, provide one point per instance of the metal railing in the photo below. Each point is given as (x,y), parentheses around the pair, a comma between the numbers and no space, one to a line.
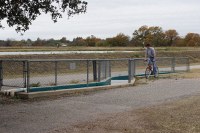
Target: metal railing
(41,73)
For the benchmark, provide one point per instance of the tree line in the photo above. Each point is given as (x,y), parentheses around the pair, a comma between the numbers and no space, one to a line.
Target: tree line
(154,35)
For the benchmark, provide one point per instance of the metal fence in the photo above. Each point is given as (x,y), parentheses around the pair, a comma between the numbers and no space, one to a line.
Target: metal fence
(41,73)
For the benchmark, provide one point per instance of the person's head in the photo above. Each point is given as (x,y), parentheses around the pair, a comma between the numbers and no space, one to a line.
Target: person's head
(147,45)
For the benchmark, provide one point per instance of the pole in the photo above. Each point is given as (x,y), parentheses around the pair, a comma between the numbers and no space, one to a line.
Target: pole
(28,76)
(94,62)
(1,74)
(87,72)
(173,64)
(56,73)
(129,71)
(25,73)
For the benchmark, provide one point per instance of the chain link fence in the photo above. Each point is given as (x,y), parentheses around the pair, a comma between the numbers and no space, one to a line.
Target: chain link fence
(43,73)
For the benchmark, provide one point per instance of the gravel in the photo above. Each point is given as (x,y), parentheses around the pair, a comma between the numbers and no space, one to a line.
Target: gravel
(49,115)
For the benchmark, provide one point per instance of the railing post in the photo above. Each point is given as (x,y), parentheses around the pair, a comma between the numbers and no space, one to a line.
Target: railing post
(25,73)
(129,71)
(56,73)
(87,72)
(94,62)
(1,74)
(28,76)
(188,64)
(133,67)
(173,64)
(109,68)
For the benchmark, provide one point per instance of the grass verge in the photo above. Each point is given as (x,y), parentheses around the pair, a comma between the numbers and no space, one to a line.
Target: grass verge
(194,73)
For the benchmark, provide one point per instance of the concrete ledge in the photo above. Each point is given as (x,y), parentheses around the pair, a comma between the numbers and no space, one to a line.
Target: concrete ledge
(24,95)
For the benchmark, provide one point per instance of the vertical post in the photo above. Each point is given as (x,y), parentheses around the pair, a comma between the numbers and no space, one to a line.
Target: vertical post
(1,74)
(28,76)
(87,72)
(173,64)
(129,71)
(134,68)
(109,67)
(106,64)
(188,64)
(56,73)
(94,62)
(25,73)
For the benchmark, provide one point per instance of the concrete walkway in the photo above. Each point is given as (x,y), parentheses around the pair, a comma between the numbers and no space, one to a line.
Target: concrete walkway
(49,115)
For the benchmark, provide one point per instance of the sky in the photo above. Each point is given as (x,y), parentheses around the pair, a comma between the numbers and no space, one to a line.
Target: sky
(107,18)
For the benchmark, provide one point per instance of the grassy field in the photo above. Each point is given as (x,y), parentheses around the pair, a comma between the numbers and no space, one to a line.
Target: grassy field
(192,52)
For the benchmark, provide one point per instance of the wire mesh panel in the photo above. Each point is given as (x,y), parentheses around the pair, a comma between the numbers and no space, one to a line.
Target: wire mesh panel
(165,64)
(181,64)
(140,66)
(42,73)
(103,69)
(119,68)
(12,74)
(72,72)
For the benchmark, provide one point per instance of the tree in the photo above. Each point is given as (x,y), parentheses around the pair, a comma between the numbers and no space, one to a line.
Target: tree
(145,34)
(180,41)
(21,13)
(39,42)
(192,39)
(171,36)
(29,42)
(50,42)
(156,36)
(63,40)
(92,40)
(79,41)
(8,42)
(102,43)
(140,35)
(119,40)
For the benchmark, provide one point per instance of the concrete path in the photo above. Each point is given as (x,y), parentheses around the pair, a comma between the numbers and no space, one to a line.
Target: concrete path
(49,115)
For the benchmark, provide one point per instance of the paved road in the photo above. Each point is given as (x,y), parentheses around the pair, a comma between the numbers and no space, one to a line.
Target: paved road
(48,115)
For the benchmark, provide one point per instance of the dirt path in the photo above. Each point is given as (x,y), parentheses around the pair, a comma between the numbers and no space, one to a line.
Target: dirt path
(52,115)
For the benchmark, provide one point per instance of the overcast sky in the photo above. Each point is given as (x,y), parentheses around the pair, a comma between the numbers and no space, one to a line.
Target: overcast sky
(107,18)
